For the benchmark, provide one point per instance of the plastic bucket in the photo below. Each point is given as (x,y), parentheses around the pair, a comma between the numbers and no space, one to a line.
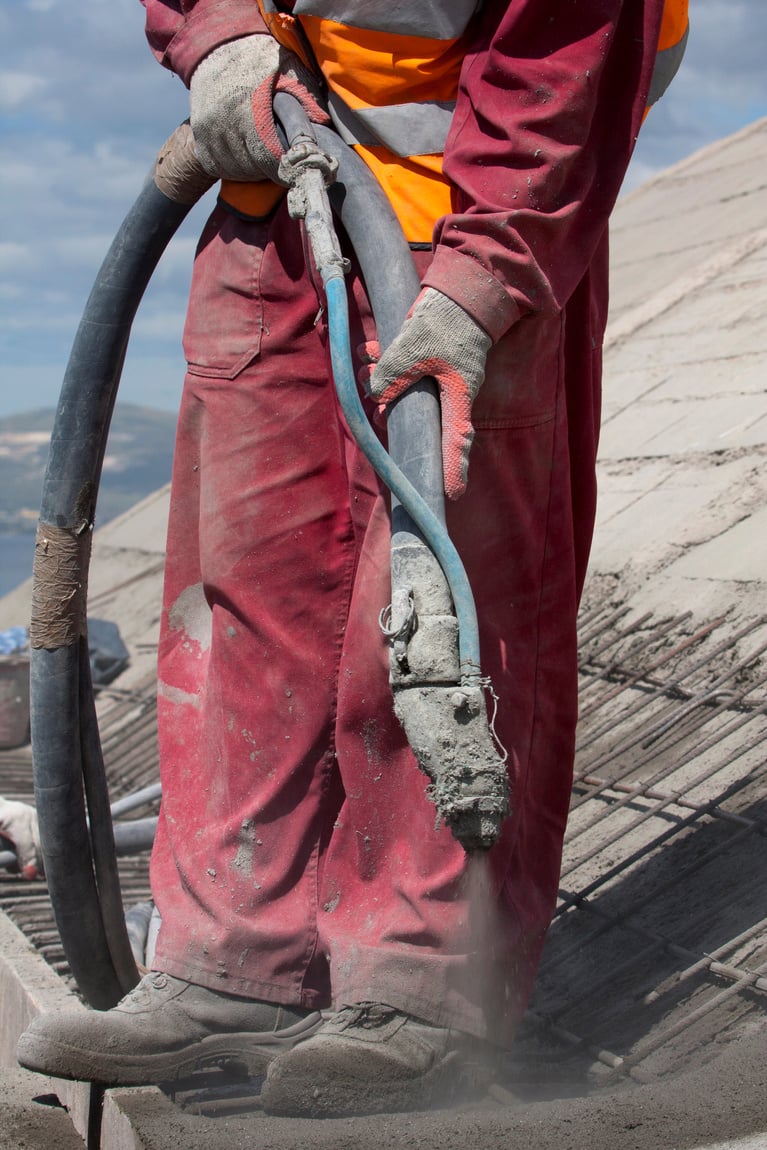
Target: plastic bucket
(14,701)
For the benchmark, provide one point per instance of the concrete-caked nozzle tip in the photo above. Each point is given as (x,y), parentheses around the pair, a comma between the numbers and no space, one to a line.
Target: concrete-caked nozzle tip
(476,822)
(448,731)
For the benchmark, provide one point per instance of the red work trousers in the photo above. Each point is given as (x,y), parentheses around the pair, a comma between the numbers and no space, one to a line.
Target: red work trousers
(297,858)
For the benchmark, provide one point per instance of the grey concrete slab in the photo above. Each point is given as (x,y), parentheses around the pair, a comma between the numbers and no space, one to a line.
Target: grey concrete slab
(750,372)
(679,289)
(683,382)
(623,389)
(31,1116)
(733,375)
(664,342)
(29,987)
(643,533)
(751,271)
(691,219)
(718,311)
(752,1142)
(739,554)
(685,427)
(651,512)
(674,223)
(640,474)
(733,335)
(142,528)
(698,186)
(709,172)
(637,430)
(642,276)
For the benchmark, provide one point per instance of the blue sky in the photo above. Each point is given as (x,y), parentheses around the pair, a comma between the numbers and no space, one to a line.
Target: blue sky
(84,107)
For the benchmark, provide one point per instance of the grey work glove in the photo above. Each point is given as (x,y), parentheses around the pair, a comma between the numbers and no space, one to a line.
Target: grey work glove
(231,94)
(441,340)
(18,822)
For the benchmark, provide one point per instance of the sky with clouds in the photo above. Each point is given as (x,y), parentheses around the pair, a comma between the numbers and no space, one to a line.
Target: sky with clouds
(84,107)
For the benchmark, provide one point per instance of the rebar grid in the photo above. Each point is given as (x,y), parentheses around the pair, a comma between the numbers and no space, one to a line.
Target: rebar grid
(128,724)
(669,756)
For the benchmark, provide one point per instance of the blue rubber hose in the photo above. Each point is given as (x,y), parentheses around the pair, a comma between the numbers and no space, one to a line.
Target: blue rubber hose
(413,422)
(434,532)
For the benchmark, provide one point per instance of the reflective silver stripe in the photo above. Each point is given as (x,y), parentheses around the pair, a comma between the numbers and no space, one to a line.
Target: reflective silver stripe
(405,129)
(666,67)
(434,19)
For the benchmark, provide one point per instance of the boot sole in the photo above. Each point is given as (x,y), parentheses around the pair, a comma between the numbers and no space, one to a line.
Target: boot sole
(253,1052)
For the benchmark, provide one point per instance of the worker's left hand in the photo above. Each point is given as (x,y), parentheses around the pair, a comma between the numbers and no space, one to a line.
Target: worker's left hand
(18,822)
(231,92)
(439,339)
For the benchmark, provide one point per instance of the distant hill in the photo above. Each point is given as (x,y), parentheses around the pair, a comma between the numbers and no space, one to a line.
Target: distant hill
(138,461)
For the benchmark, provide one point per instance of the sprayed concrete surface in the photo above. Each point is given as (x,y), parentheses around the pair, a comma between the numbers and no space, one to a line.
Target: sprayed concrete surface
(31,1116)
(718,1105)
(649,1035)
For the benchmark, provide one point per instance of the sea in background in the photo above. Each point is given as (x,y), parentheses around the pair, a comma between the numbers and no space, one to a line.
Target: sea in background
(16,555)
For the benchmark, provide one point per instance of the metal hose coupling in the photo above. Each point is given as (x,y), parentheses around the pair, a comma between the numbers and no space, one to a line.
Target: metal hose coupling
(447,728)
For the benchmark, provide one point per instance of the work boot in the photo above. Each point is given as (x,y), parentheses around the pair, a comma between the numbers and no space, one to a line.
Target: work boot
(162,1030)
(371,1058)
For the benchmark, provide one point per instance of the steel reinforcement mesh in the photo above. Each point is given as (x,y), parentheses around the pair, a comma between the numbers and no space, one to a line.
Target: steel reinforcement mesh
(658,951)
(128,724)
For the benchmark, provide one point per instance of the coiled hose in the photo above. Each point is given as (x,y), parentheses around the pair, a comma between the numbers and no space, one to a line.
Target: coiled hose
(70,787)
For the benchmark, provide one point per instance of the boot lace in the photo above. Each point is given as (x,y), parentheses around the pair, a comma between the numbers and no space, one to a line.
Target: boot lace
(368,1015)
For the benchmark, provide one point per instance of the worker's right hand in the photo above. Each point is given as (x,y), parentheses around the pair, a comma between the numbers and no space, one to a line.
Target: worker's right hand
(18,822)
(441,340)
(231,106)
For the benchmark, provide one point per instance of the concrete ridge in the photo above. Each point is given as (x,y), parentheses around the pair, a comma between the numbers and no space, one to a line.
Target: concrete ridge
(666,175)
(29,987)
(627,324)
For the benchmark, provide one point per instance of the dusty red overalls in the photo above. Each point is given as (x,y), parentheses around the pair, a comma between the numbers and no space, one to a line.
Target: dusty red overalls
(297,858)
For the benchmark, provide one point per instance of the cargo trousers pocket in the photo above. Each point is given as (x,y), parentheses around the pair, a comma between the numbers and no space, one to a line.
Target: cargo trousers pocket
(224,321)
(523,377)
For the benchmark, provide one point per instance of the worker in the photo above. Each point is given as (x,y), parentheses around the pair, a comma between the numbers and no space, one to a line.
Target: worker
(315,923)
(18,824)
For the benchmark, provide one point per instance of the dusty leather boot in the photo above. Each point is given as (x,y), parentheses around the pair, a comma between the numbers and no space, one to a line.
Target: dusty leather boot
(370,1058)
(163,1029)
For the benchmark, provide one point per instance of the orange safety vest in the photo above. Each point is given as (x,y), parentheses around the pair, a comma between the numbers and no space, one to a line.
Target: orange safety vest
(398,118)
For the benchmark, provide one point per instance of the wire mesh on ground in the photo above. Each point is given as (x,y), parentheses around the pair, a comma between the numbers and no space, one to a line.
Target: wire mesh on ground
(658,951)
(128,725)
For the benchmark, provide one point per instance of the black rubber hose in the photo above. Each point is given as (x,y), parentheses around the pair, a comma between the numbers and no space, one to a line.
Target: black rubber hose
(70,786)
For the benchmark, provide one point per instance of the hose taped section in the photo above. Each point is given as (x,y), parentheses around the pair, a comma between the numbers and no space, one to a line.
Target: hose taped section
(178,173)
(60,585)
(66,753)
